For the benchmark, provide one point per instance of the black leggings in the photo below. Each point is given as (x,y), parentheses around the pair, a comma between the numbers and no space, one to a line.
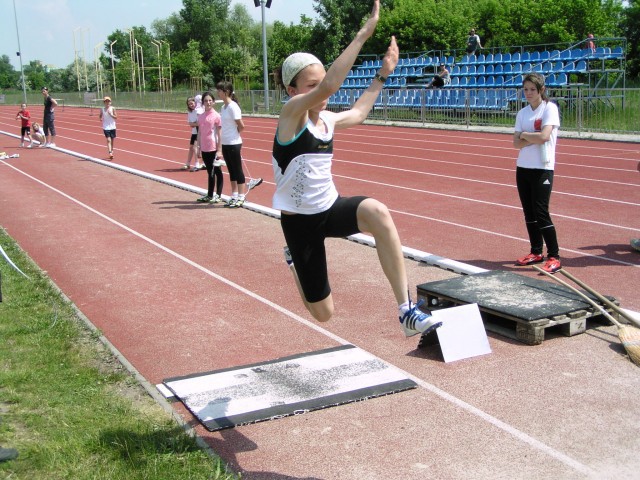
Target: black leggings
(213,173)
(534,188)
(233,158)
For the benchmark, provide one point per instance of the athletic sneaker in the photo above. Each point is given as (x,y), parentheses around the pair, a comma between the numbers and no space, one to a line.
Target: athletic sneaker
(30,145)
(235,203)
(186,167)
(529,260)
(415,321)
(216,198)
(205,199)
(51,145)
(110,155)
(219,163)
(22,145)
(552,265)
(253,183)
(635,244)
(287,256)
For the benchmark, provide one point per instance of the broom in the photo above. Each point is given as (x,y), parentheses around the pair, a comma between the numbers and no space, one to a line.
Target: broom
(629,336)
(602,298)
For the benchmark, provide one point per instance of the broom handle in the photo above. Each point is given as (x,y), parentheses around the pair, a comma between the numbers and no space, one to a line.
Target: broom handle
(602,298)
(570,287)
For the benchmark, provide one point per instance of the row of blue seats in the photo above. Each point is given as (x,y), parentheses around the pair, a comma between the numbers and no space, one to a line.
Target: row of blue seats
(543,56)
(600,53)
(468,81)
(580,66)
(480,99)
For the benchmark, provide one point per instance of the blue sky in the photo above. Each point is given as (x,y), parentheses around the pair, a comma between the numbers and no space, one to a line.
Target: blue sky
(47,27)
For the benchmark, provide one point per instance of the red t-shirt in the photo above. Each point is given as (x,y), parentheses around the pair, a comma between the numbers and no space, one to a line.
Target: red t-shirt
(25,122)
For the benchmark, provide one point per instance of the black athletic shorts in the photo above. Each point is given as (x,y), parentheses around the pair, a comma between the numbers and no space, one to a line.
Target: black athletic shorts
(305,236)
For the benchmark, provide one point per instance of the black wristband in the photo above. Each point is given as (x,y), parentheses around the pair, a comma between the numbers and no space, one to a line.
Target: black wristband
(380,78)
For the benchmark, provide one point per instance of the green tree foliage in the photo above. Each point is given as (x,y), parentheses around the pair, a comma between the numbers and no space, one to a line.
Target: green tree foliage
(9,77)
(631,29)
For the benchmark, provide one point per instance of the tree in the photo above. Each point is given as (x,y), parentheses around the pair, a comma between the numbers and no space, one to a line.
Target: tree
(631,29)
(9,77)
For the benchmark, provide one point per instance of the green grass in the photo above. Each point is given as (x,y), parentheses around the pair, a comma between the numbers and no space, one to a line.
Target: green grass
(68,406)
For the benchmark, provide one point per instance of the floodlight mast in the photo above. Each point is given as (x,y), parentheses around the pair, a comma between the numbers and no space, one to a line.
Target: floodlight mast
(265,72)
(19,52)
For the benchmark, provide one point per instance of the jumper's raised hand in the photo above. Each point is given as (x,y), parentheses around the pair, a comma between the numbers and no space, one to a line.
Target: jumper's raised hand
(390,59)
(370,25)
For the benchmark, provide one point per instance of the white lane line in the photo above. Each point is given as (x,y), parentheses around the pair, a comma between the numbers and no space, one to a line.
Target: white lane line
(523,437)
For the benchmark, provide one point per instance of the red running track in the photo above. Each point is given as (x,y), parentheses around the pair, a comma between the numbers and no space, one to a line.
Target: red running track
(452,193)
(181,288)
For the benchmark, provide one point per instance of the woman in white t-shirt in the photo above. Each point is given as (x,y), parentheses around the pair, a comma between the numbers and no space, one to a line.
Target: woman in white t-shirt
(536,133)
(231,142)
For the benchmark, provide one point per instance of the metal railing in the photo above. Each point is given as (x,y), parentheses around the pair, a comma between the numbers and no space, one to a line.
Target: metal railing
(583,110)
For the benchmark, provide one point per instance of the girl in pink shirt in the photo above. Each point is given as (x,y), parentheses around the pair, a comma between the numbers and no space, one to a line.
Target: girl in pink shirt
(209,123)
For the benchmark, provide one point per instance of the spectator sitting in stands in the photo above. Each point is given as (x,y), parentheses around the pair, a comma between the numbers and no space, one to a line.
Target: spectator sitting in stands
(441,79)
(590,43)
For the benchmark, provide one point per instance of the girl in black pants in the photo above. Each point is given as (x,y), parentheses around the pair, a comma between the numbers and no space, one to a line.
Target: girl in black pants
(209,123)
(535,136)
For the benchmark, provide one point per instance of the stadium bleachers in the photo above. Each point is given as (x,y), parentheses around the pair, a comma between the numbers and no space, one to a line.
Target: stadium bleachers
(486,76)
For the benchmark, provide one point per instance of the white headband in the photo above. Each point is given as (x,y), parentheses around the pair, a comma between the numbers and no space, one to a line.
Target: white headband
(294,63)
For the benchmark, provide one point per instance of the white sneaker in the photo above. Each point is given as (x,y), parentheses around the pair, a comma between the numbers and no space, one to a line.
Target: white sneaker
(49,145)
(219,163)
(22,145)
(415,321)
(30,145)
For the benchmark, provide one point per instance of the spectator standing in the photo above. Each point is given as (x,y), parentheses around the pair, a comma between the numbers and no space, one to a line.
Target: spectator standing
(108,116)
(25,125)
(231,141)
(209,123)
(473,43)
(192,119)
(535,136)
(48,122)
(590,43)
(312,210)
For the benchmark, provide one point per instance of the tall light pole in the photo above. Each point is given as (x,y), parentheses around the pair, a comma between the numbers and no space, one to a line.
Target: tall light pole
(144,84)
(75,56)
(131,46)
(24,87)
(96,56)
(113,70)
(265,72)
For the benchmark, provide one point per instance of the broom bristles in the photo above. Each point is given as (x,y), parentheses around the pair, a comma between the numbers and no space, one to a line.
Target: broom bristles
(630,338)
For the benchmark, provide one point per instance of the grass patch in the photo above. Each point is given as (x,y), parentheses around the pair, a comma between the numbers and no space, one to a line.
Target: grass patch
(68,406)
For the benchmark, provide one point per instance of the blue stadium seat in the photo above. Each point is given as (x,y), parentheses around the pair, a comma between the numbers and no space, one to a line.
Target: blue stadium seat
(569,67)
(497,58)
(499,80)
(554,55)
(581,66)
(617,52)
(524,57)
(516,68)
(455,81)
(471,69)
(547,67)
(480,70)
(544,55)
(497,69)
(527,67)
(534,57)
(481,58)
(506,58)
(489,58)
(507,68)
(557,67)
(515,58)
(577,53)
(488,69)
(491,81)
(565,55)
(480,80)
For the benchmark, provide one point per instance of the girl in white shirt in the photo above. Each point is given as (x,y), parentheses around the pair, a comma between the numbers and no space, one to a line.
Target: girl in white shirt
(535,136)
(311,208)
(108,116)
(192,120)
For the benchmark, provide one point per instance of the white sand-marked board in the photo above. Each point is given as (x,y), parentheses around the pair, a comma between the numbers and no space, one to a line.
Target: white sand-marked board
(286,386)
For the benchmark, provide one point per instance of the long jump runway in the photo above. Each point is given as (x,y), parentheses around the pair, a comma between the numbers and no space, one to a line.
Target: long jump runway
(180,288)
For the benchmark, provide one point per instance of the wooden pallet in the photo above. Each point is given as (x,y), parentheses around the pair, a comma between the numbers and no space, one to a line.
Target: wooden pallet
(565,309)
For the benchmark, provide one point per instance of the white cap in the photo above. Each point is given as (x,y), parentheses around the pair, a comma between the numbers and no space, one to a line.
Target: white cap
(294,63)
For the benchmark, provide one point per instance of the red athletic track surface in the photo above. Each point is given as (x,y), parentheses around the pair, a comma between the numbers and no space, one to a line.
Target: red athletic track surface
(181,288)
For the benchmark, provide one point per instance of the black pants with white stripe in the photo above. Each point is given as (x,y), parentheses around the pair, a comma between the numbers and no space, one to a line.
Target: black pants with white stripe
(534,189)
